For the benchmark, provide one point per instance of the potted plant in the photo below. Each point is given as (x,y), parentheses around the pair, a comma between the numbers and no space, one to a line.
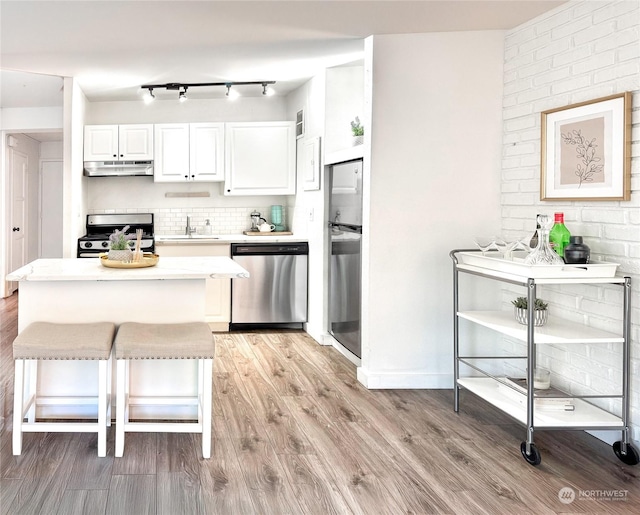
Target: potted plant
(119,247)
(358,131)
(540,314)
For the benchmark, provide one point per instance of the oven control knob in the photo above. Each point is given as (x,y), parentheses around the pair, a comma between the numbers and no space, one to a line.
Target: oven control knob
(88,245)
(105,244)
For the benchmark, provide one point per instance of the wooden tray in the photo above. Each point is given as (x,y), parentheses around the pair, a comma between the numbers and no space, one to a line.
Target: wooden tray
(148,260)
(272,233)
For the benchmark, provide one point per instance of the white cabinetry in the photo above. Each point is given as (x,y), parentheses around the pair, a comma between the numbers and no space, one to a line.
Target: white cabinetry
(260,158)
(189,152)
(118,142)
(533,408)
(218,291)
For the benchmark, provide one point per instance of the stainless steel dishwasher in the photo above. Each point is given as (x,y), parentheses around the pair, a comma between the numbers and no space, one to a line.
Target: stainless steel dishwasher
(275,294)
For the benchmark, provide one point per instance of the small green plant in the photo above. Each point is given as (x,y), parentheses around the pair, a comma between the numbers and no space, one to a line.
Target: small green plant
(356,128)
(521,302)
(119,240)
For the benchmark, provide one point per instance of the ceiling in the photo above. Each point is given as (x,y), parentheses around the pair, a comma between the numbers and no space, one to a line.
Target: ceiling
(112,48)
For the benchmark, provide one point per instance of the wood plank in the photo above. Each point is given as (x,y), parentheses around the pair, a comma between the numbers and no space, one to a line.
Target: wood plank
(140,452)
(178,493)
(83,502)
(132,493)
(223,487)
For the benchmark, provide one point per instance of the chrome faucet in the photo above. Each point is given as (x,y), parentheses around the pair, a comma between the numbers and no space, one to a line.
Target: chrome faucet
(188,229)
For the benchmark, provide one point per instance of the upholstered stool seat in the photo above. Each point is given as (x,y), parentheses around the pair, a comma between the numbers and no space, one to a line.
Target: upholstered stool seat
(51,341)
(138,341)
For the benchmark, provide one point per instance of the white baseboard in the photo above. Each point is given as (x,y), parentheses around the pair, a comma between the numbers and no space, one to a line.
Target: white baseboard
(404,380)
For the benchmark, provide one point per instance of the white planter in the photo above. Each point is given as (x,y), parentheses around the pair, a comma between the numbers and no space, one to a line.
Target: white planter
(357,140)
(121,255)
(540,316)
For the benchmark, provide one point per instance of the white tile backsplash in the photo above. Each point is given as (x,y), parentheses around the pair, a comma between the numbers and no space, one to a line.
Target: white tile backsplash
(224,220)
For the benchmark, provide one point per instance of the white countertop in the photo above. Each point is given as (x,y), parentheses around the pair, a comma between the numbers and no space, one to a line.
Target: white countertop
(203,239)
(90,269)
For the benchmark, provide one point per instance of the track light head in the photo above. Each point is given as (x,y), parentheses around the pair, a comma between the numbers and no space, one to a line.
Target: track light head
(232,94)
(149,96)
(182,96)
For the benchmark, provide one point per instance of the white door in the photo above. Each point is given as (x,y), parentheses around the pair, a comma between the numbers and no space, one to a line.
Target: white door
(51,209)
(206,142)
(100,142)
(260,158)
(18,230)
(171,152)
(135,142)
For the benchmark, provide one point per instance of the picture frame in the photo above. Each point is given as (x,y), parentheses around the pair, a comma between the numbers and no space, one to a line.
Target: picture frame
(586,150)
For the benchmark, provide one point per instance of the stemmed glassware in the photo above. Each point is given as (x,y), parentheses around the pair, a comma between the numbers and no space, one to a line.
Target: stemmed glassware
(485,243)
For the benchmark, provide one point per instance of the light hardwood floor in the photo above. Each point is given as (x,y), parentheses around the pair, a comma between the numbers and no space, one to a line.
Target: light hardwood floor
(295,433)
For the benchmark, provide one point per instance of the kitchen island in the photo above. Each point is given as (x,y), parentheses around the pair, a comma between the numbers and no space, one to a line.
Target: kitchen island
(82,290)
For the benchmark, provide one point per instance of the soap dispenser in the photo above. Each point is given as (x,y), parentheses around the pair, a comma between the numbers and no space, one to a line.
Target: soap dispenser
(207,226)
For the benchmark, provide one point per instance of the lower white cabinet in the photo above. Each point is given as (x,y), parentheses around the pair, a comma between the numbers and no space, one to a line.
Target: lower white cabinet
(260,158)
(218,291)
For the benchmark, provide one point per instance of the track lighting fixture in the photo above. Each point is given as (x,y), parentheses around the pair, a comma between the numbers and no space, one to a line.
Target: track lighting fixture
(182,88)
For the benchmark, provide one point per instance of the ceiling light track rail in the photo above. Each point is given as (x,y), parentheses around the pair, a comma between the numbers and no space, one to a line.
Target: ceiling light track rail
(182,87)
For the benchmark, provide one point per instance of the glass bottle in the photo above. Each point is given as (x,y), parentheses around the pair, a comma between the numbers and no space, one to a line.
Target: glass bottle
(559,235)
(534,239)
(543,254)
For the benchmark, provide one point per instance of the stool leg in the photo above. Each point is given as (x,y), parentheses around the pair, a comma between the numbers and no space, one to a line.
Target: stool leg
(206,382)
(121,365)
(109,387)
(32,366)
(102,408)
(18,406)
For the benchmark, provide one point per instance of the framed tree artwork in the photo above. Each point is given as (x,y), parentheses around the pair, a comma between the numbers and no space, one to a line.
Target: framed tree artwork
(586,150)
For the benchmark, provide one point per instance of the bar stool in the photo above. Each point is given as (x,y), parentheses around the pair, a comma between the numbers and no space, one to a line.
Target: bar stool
(191,340)
(50,341)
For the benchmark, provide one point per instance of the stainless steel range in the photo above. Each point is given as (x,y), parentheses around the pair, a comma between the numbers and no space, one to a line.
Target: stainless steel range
(100,227)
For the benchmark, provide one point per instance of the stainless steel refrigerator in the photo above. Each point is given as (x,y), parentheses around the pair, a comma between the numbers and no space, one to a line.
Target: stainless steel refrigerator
(345,229)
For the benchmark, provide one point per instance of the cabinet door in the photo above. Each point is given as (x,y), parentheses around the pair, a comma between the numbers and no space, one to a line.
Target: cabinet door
(206,141)
(171,154)
(218,291)
(135,142)
(100,142)
(260,158)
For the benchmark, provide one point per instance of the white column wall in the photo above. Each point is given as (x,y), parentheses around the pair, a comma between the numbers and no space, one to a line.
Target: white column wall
(434,176)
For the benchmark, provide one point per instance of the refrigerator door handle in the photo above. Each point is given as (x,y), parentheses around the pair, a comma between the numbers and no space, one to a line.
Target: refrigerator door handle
(346,227)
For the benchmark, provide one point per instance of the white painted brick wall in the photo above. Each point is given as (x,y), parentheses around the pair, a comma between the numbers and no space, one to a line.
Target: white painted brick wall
(581,51)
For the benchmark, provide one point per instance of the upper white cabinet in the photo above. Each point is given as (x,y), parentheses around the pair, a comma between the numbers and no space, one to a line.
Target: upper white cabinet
(206,151)
(260,158)
(118,142)
(189,152)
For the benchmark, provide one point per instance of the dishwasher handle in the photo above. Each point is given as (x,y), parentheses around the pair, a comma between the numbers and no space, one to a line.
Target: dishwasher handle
(266,249)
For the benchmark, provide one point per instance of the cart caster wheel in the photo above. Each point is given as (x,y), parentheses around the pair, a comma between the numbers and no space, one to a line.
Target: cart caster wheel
(534,458)
(630,458)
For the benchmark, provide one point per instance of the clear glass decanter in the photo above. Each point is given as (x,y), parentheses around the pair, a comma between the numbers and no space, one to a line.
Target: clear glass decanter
(543,254)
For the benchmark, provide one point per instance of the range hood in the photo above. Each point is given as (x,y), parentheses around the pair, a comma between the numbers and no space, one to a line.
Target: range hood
(117,168)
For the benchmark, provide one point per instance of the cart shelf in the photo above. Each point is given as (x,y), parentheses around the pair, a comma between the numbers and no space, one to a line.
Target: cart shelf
(585,415)
(554,331)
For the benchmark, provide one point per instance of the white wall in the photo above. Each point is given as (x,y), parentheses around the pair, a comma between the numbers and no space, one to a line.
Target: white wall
(31,118)
(309,216)
(344,101)
(434,173)
(580,51)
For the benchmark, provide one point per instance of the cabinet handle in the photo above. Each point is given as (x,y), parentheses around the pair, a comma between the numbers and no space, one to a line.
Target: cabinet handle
(16,229)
